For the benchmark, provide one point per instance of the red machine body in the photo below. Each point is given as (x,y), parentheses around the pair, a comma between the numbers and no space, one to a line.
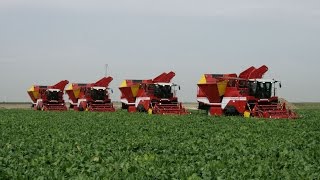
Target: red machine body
(48,98)
(91,96)
(247,94)
(156,96)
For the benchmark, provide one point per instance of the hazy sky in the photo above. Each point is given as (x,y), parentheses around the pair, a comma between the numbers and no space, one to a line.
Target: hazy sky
(45,41)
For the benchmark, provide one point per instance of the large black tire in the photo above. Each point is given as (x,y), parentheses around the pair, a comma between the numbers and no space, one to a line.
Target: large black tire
(141,108)
(124,106)
(82,106)
(203,106)
(231,111)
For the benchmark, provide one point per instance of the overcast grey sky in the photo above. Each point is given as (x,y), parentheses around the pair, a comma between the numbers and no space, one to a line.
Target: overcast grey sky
(45,41)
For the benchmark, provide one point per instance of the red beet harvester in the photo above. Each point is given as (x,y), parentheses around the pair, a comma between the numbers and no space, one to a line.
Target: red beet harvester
(48,98)
(91,96)
(156,96)
(247,94)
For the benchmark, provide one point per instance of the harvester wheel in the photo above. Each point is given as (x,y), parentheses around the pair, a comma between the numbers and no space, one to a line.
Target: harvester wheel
(231,111)
(40,106)
(124,106)
(141,108)
(82,106)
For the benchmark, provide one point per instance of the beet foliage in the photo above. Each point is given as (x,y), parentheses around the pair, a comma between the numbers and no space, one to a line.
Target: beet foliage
(121,145)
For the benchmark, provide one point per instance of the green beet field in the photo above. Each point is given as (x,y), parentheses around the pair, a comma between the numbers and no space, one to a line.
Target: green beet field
(74,145)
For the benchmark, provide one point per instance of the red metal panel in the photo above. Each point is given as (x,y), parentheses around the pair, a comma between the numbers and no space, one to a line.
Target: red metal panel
(61,85)
(211,92)
(127,93)
(164,77)
(258,73)
(215,111)
(246,73)
(104,82)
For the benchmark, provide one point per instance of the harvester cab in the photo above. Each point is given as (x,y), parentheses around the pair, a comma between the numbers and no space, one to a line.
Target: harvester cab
(53,95)
(263,88)
(247,94)
(157,96)
(91,96)
(48,97)
(164,90)
(99,93)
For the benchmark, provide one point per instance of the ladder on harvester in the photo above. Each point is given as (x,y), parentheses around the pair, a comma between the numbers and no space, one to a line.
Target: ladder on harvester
(55,107)
(175,108)
(106,107)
